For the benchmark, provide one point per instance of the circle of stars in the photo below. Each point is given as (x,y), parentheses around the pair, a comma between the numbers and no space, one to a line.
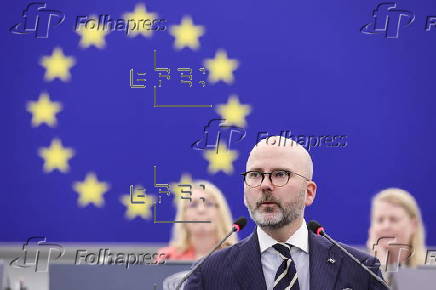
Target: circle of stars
(58,66)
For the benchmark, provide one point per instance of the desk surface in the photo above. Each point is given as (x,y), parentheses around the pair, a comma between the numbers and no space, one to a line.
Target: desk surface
(112,277)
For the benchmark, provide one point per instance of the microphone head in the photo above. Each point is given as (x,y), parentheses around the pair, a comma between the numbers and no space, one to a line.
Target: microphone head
(239,224)
(315,227)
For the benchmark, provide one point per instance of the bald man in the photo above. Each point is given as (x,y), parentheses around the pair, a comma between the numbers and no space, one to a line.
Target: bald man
(281,253)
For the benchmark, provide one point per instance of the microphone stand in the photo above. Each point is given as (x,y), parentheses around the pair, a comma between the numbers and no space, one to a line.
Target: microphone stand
(355,260)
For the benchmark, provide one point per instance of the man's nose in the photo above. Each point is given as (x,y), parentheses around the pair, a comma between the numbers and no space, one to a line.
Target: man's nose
(266,183)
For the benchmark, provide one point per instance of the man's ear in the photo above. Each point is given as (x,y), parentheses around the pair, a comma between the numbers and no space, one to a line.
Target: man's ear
(310,193)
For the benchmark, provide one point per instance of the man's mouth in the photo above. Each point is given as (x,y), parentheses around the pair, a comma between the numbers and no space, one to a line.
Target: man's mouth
(268,203)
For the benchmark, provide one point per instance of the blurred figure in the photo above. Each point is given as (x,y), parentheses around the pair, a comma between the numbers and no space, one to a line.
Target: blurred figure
(396,234)
(191,241)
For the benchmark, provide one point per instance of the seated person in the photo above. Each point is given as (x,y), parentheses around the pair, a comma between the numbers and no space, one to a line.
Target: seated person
(191,241)
(396,234)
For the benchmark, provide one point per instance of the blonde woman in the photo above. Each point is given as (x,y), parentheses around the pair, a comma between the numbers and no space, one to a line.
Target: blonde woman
(396,234)
(191,241)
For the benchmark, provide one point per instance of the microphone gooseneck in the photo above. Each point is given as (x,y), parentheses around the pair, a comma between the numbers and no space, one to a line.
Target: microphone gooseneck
(238,225)
(316,228)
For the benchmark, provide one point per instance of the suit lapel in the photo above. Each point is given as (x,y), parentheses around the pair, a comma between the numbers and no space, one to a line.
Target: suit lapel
(247,265)
(324,263)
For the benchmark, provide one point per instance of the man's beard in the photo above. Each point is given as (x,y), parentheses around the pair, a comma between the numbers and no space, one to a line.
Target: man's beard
(287,212)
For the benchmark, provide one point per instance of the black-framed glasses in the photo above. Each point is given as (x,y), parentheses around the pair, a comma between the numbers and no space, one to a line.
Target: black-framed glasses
(277,177)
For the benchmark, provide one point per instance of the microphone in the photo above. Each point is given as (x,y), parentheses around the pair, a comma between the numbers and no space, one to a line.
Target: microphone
(315,227)
(238,225)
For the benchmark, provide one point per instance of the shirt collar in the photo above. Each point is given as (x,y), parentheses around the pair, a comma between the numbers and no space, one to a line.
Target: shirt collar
(299,239)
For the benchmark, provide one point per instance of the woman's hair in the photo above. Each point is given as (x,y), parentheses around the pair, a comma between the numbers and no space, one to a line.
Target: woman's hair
(181,238)
(402,198)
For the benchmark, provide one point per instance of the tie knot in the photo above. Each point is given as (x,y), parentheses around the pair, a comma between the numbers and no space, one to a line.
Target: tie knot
(284,250)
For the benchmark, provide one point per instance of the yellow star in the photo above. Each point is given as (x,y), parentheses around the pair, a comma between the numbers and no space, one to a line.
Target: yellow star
(177,190)
(56,156)
(221,160)
(44,110)
(90,190)
(141,21)
(234,112)
(95,36)
(186,34)
(221,68)
(142,208)
(57,65)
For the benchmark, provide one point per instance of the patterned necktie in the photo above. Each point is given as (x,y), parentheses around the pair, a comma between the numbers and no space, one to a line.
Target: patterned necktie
(286,276)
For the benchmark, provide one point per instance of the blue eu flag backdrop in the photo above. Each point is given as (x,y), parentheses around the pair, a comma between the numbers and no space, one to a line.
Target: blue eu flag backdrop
(109,108)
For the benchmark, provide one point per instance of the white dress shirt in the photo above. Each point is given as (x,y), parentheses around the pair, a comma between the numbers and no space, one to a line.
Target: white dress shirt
(271,260)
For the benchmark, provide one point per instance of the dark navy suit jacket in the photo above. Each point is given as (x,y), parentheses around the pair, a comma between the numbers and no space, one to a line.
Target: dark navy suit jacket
(239,267)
